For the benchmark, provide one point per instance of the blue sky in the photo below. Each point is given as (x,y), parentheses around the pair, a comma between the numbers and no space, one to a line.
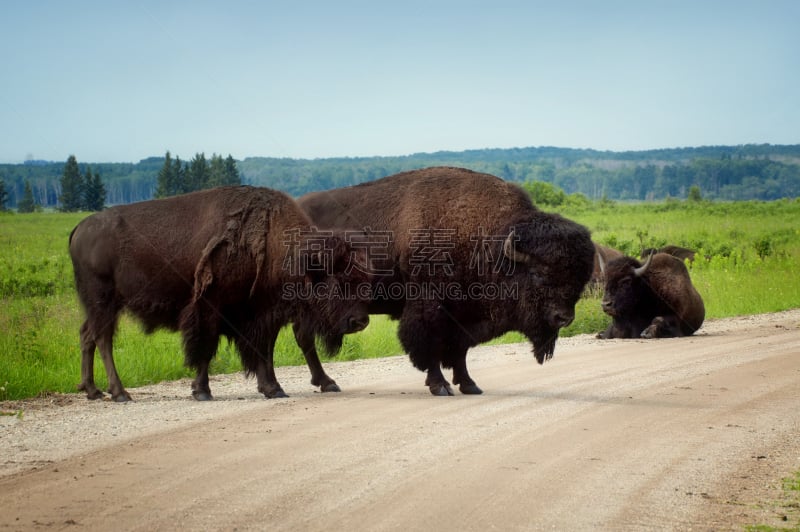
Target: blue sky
(120,81)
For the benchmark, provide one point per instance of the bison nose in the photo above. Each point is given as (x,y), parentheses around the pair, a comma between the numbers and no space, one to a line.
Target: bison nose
(562,319)
(357,324)
(607,306)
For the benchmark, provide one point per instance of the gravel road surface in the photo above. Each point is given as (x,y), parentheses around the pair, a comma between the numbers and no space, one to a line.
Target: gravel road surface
(677,434)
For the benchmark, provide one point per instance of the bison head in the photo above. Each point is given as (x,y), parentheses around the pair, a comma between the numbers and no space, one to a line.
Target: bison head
(625,283)
(333,296)
(551,259)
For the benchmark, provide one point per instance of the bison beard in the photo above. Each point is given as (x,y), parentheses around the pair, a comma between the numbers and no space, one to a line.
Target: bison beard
(544,344)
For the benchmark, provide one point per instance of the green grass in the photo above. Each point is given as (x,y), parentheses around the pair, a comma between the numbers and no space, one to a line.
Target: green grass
(788,507)
(33,254)
(748,254)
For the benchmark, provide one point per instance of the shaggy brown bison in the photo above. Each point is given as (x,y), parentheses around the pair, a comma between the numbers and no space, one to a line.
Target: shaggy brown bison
(459,258)
(211,263)
(651,300)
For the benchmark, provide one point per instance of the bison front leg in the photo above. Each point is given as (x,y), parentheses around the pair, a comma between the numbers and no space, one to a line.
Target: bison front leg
(201,390)
(424,346)
(200,340)
(307,344)
(257,348)
(461,376)
(436,382)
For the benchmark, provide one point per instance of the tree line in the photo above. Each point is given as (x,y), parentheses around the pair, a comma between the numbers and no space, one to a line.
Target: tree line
(78,190)
(198,174)
(757,171)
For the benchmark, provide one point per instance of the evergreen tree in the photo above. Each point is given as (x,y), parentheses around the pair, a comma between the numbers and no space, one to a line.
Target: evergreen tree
(232,176)
(3,195)
(71,197)
(197,173)
(94,192)
(216,172)
(166,178)
(179,174)
(26,204)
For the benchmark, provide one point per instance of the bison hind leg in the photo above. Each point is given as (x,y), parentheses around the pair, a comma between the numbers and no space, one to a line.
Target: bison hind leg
(104,342)
(87,364)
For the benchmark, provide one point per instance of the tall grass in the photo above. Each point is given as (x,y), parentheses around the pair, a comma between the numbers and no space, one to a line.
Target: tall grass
(747,252)
(748,256)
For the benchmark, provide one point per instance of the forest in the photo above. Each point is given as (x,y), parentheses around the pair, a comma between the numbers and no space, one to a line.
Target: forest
(743,172)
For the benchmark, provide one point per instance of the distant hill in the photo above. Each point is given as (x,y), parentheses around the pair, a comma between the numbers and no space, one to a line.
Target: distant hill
(752,171)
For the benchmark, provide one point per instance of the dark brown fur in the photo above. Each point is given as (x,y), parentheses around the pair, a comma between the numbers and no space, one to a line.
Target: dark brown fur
(675,251)
(438,331)
(208,263)
(661,302)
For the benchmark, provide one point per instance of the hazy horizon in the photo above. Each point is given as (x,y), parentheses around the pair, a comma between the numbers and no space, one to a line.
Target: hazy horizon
(121,83)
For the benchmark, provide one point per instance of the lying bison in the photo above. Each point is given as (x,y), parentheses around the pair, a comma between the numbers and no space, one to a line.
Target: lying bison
(651,300)
(460,258)
(208,264)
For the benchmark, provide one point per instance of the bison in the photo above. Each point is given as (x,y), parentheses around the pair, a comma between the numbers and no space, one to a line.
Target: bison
(210,264)
(459,258)
(651,300)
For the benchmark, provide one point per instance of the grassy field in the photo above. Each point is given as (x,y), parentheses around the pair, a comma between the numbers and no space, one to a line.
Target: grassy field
(748,256)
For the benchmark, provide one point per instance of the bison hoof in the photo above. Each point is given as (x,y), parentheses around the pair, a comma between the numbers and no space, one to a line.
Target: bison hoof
(122,398)
(470,389)
(97,394)
(649,333)
(441,389)
(275,394)
(330,387)
(202,396)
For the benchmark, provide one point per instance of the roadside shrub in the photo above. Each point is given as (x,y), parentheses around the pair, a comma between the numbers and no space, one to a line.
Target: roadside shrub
(763,247)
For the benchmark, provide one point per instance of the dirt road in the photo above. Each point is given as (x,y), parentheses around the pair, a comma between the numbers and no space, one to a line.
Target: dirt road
(678,434)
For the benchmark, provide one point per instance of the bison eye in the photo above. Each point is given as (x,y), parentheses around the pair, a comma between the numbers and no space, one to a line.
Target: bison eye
(539,274)
(536,277)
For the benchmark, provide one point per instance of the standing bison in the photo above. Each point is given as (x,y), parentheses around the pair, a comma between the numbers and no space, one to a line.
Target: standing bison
(651,300)
(459,258)
(210,263)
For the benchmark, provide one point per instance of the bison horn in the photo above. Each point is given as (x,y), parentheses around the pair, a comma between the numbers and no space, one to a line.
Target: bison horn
(641,270)
(512,253)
